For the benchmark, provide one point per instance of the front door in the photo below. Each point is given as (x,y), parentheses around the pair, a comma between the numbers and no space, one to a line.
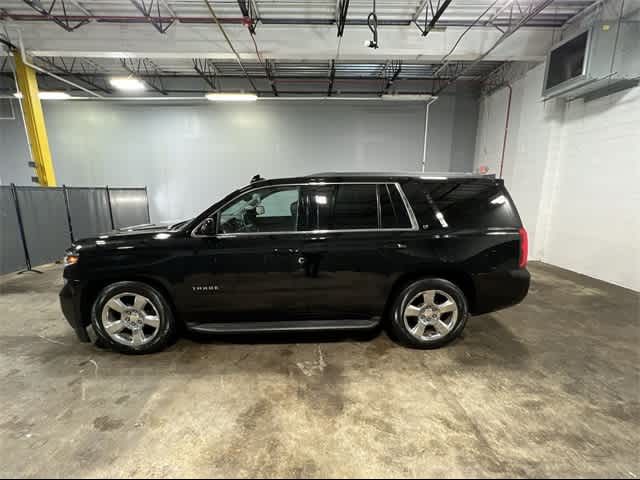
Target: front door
(246,270)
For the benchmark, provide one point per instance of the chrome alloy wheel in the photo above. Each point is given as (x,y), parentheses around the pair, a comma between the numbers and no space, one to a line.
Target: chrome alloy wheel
(130,319)
(431,315)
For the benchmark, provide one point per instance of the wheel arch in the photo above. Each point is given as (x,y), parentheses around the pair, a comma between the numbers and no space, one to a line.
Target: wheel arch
(94,287)
(459,278)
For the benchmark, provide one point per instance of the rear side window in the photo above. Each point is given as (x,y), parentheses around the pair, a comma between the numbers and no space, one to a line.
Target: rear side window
(393,213)
(355,207)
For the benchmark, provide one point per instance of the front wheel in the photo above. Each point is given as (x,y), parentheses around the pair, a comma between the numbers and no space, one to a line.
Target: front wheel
(132,317)
(429,313)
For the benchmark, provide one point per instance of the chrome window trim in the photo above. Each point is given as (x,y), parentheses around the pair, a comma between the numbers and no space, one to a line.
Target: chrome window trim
(407,206)
(412,217)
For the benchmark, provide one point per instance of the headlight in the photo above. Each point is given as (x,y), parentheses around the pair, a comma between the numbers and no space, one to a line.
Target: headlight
(70,259)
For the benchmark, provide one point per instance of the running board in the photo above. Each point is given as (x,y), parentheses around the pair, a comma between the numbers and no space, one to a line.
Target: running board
(284,326)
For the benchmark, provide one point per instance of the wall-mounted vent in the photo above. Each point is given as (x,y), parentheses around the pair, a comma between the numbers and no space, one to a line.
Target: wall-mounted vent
(604,57)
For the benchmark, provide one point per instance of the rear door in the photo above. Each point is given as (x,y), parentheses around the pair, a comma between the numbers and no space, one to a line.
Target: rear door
(349,254)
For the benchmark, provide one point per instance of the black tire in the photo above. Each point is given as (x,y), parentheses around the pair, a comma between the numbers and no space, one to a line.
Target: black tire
(166,328)
(401,331)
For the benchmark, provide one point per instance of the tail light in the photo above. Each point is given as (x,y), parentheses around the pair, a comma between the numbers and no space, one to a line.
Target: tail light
(524,248)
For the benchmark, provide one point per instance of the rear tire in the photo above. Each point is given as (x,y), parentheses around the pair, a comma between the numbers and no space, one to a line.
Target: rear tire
(132,318)
(428,313)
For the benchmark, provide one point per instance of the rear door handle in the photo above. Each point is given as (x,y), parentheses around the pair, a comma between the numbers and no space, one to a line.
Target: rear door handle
(395,245)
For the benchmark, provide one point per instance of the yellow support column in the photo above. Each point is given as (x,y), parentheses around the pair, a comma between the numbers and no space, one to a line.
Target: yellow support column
(34,120)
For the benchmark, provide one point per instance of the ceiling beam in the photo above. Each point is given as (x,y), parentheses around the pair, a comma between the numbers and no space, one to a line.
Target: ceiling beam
(441,8)
(61,17)
(152,13)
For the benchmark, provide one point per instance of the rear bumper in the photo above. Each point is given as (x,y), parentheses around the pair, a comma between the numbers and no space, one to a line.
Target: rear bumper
(497,290)
(71,302)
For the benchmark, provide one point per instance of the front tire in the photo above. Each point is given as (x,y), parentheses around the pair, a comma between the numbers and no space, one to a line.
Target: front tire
(429,313)
(132,318)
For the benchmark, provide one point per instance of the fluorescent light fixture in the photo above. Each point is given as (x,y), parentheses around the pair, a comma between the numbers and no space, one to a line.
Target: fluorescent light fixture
(129,84)
(48,95)
(321,199)
(231,97)
(433,178)
(409,98)
(54,96)
(499,200)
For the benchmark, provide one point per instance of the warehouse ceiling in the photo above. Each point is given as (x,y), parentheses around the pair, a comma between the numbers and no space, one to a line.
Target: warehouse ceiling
(280,47)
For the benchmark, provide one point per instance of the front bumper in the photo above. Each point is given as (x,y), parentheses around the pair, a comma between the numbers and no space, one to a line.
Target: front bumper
(71,304)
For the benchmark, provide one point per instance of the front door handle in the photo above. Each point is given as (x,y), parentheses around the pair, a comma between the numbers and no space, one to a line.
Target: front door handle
(285,251)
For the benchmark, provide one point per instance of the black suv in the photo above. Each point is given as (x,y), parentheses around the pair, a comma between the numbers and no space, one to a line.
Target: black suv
(331,251)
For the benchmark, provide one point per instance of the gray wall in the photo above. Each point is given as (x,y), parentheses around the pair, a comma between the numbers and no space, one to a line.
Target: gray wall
(14,150)
(191,155)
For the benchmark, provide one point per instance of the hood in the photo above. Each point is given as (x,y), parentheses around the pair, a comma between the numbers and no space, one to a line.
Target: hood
(124,238)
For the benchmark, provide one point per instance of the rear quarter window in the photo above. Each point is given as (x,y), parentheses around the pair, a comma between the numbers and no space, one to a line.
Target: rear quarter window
(462,204)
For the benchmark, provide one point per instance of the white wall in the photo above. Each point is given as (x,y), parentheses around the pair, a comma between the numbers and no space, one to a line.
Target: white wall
(574,172)
(191,155)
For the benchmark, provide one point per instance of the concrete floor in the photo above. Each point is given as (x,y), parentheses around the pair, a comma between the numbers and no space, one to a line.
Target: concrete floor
(548,388)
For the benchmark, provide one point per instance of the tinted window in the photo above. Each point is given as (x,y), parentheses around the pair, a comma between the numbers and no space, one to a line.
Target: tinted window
(316,206)
(461,204)
(420,202)
(393,213)
(355,207)
(472,204)
(264,210)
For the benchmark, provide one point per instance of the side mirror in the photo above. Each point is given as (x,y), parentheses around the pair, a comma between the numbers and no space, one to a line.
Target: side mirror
(208,227)
(259,210)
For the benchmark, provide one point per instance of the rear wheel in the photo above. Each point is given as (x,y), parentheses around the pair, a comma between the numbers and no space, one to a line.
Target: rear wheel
(429,313)
(132,317)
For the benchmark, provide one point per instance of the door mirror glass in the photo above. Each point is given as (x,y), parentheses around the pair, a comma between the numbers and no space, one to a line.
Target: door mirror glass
(208,227)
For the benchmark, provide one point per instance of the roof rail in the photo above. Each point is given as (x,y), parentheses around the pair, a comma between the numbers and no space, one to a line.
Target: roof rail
(423,175)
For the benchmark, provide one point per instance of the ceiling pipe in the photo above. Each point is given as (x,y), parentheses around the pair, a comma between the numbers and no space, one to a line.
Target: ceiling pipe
(27,62)
(541,6)
(131,19)
(202,99)
(506,128)
(426,132)
(226,37)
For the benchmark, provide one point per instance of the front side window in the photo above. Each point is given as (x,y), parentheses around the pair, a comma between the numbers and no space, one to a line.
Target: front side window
(273,209)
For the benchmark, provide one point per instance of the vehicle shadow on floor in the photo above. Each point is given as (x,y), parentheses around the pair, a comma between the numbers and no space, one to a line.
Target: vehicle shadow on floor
(279,338)
(487,340)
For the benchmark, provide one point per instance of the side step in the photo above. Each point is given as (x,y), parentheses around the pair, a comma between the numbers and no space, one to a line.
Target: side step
(285,326)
